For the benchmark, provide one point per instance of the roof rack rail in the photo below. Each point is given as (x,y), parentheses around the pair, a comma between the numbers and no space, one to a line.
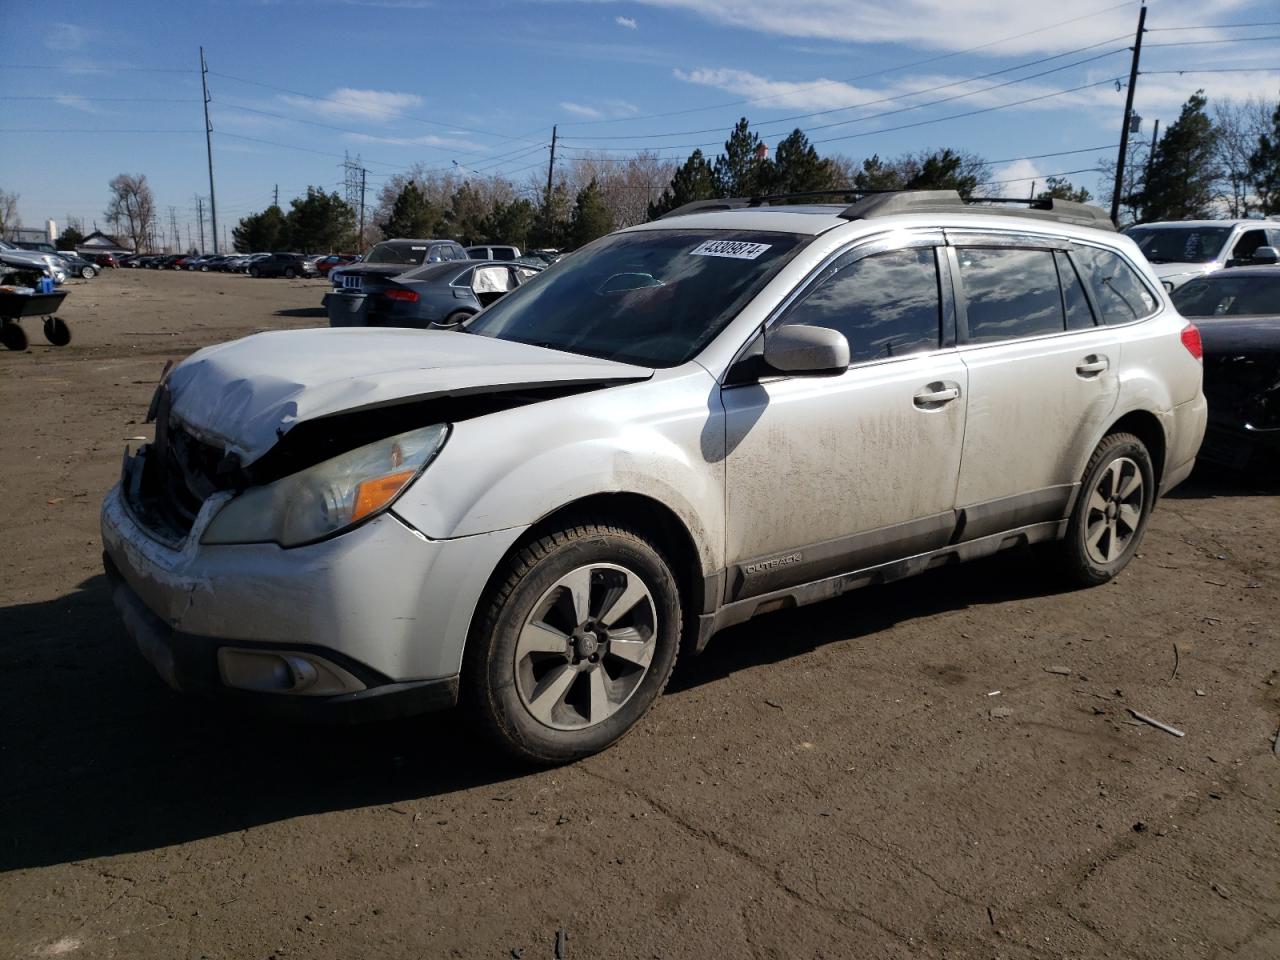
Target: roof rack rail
(885,203)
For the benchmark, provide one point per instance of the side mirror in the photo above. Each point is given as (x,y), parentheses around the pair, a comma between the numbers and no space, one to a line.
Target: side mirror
(806,351)
(1266,255)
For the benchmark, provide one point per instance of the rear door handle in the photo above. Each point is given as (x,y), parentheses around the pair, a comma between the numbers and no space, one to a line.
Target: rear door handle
(1092,365)
(933,395)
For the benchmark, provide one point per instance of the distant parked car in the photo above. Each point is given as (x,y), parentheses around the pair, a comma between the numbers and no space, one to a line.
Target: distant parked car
(325,264)
(36,246)
(1238,313)
(441,295)
(493,253)
(105,261)
(46,261)
(1183,250)
(392,257)
(78,266)
(288,265)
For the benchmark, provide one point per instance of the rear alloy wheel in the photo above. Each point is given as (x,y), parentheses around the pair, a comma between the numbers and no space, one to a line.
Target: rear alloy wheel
(1111,511)
(575,644)
(290,273)
(88,273)
(253,271)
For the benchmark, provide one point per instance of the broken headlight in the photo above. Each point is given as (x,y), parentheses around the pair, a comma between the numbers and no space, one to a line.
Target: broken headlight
(329,497)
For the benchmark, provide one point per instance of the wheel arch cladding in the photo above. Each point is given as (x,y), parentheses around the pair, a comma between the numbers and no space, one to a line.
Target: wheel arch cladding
(643,515)
(1147,428)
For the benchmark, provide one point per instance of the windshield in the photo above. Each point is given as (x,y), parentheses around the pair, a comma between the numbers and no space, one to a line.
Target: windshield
(652,297)
(401,251)
(1180,244)
(1224,295)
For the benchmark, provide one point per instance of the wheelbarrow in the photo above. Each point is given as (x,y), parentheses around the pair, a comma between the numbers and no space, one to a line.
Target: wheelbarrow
(16,306)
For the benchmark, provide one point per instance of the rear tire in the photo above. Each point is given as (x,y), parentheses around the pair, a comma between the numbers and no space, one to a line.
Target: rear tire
(573,643)
(290,273)
(253,271)
(1111,511)
(56,331)
(88,273)
(13,336)
(457,317)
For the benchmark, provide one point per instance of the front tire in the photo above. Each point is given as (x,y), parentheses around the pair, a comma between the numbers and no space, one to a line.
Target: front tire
(290,273)
(1110,515)
(574,642)
(253,271)
(88,273)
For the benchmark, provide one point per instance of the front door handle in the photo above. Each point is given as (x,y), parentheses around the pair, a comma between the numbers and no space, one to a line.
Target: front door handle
(933,395)
(1092,365)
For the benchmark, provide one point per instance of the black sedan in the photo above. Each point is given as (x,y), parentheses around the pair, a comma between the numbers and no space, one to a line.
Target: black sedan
(434,295)
(1238,313)
(283,265)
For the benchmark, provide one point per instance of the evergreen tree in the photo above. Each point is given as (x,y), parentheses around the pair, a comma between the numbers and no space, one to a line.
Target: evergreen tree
(796,167)
(467,213)
(510,223)
(696,180)
(319,222)
(738,169)
(1059,188)
(1180,185)
(591,218)
(878,175)
(260,232)
(1264,167)
(70,237)
(551,226)
(943,170)
(412,215)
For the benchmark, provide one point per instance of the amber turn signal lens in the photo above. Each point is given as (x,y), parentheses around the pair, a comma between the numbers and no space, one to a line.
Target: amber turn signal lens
(374,494)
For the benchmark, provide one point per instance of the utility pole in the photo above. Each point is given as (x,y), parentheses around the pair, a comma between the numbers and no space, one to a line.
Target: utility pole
(1128,112)
(360,239)
(208,144)
(275,196)
(1155,132)
(200,218)
(173,228)
(551,167)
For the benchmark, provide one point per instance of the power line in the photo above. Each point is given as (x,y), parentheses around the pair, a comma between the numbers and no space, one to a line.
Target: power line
(863,76)
(80,99)
(1202,43)
(1045,176)
(1156,73)
(1216,26)
(913,93)
(86,130)
(90,68)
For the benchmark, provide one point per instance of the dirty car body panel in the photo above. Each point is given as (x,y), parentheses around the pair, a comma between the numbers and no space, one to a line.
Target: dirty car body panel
(636,372)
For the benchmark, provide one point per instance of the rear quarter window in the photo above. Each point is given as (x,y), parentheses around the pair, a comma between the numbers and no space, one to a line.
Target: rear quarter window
(1121,294)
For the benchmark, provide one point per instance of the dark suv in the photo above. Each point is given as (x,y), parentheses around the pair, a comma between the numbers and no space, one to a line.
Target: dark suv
(283,265)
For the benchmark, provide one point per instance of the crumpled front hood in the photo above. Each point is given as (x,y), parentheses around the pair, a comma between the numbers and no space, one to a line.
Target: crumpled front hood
(245,395)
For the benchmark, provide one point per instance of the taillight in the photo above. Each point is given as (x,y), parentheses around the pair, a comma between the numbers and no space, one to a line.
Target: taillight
(408,296)
(1191,340)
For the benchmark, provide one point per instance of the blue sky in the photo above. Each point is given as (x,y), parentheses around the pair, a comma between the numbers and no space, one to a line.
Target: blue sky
(482,82)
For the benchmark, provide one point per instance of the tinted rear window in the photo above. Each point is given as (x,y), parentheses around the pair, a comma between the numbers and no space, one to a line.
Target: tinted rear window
(1224,295)
(1119,292)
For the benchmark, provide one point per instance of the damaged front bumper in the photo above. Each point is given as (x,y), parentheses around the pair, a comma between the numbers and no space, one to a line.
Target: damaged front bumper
(368,624)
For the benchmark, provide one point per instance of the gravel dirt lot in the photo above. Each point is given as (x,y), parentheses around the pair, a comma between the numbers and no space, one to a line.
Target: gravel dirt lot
(839,781)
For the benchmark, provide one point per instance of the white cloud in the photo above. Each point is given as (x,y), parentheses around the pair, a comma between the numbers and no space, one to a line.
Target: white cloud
(65,37)
(347,102)
(76,103)
(1015,179)
(628,23)
(580,110)
(817,94)
(944,24)
(427,140)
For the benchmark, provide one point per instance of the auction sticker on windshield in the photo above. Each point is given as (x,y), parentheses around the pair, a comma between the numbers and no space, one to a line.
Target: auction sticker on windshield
(735,249)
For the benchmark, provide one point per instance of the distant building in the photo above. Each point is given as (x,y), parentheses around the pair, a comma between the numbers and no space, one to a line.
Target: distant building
(99,242)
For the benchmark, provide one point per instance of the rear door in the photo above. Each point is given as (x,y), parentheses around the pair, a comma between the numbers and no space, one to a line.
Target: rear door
(829,474)
(1043,378)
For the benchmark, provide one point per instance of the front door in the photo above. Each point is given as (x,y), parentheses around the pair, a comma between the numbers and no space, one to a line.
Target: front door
(828,474)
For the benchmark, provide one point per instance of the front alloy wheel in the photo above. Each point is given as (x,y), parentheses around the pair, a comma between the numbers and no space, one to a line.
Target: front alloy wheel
(573,643)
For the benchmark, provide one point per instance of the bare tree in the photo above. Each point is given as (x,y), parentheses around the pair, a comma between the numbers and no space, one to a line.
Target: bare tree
(133,205)
(627,184)
(9,219)
(1238,124)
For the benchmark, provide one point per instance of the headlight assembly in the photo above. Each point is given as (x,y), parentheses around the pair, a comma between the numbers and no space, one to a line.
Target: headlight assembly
(328,497)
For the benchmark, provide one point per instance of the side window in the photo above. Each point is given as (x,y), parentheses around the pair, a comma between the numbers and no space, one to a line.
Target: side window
(1010,293)
(886,305)
(1249,241)
(455,252)
(1079,314)
(463,279)
(435,254)
(1119,292)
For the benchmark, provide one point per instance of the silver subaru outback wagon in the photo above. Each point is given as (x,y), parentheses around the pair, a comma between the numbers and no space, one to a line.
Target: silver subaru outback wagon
(733,409)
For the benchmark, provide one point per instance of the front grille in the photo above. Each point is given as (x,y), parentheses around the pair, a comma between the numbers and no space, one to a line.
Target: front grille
(178,473)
